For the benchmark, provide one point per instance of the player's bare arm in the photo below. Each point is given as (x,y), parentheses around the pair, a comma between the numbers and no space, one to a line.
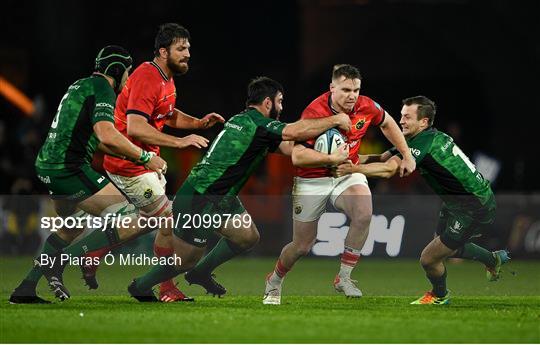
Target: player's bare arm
(179,119)
(139,129)
(308,158)
(285,148)
(374,158)
(113,142)
(306,129)
(392,132)
(384,170)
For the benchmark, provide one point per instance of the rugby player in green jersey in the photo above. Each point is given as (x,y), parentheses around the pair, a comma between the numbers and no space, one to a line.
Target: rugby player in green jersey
(84,123)
(210,191)
(468,201)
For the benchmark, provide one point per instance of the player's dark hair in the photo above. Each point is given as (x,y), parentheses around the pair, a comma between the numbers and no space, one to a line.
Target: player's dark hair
(168,34)
(260,88)
(347,71)
(113,61)
(426,107)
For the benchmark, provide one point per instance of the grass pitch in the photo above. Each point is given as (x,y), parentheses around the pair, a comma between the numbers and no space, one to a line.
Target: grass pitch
(502,312)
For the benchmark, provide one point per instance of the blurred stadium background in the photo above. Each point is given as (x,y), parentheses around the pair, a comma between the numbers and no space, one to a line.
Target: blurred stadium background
(479,61)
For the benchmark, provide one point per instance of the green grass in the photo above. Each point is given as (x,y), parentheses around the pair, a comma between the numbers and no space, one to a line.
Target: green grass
(507,311)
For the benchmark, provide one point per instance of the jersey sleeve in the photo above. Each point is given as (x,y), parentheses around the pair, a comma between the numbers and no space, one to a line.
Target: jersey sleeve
(377,112)
(310,113)
(105,99)
(142,97)
(272,130)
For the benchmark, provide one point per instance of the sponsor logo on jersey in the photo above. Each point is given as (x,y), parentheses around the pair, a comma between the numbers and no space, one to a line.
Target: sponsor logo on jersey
(160,116)
(415,152)
(233,126)
(445,146)
(297,209)
(273,125)
(148,193)
(99,180)
(105,105)
(199,240)
(360,124)
(353,144)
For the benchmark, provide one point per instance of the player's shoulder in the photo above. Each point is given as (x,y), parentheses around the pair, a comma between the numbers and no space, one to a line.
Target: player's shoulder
(367,103)
(145,71)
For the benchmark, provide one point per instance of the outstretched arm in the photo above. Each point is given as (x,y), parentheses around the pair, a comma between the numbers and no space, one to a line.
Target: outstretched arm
(385,170)
(392,132)
(179,119)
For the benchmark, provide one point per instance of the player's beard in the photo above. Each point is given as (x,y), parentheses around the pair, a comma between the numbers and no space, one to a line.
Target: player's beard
(274,113)
(176,67)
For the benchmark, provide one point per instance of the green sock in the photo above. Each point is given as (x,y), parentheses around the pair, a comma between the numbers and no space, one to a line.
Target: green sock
(439,284)
(156,275)
(52,245)
(222,252)
(474,252)
(96,240)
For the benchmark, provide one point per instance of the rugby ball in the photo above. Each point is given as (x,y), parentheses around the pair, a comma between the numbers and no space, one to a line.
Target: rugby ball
(329,141)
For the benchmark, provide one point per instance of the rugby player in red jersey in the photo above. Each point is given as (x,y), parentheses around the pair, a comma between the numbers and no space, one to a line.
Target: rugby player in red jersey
(314,183)
(143,108)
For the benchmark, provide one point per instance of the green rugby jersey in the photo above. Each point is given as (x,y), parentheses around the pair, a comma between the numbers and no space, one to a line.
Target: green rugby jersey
(235,153)
(71,140)
(448,171)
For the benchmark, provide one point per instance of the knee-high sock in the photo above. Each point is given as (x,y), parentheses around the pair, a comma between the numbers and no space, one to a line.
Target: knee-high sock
(474,252)
(96,240)
(222,252)
(52,245)
(439,284)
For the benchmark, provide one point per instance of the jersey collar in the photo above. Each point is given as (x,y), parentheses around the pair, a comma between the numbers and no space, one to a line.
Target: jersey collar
(163,75)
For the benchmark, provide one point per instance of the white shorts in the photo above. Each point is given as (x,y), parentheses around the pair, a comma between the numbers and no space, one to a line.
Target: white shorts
(310,195)
(141,190)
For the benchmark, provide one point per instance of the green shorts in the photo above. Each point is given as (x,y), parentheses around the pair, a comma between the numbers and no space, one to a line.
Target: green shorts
(73,184)
(456,228)
(196,215)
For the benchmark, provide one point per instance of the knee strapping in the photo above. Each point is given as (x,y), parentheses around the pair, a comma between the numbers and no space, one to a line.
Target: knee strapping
(163,208)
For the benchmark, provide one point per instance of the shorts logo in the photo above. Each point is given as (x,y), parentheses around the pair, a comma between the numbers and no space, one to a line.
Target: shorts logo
(456,227)
(360,124)
(297,209)
(148,193)
(99,180)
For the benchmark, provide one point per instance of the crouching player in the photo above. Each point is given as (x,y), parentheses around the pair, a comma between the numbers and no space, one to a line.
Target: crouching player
(212,187)
(468,202)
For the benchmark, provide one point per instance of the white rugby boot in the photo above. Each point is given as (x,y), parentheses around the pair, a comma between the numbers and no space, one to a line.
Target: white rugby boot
(272,292)
(347,286)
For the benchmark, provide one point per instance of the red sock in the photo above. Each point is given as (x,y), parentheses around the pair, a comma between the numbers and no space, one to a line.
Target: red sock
(349,259)
(280,269)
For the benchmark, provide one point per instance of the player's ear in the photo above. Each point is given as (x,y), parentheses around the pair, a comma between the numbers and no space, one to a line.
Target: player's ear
(332,86)
(267,103)
(163,52)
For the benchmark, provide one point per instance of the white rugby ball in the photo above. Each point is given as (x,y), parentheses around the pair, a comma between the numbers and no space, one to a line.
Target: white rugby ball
(329,141)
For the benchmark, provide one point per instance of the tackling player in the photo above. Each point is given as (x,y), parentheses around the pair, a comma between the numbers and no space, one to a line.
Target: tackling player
(468,202)
(144,107)
(212,187)
(314,185)
(84,123)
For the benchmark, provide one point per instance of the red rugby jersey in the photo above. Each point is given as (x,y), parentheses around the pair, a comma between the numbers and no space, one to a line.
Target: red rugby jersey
(148,93)
(365,113)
